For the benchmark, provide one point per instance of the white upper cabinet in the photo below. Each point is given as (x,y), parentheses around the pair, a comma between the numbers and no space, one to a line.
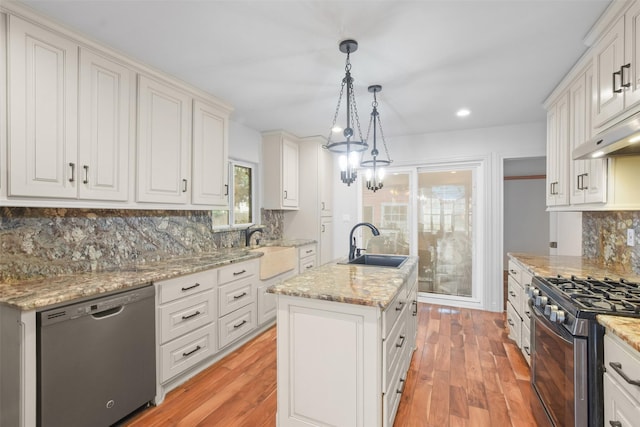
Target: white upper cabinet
(103,156)
(210,142)
(43,123)
(558,153)
(325,173)
(164,137)
(280,157)
(616,65)
(588,177)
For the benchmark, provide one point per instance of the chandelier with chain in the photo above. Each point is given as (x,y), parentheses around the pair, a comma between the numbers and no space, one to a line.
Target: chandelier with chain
(375,166)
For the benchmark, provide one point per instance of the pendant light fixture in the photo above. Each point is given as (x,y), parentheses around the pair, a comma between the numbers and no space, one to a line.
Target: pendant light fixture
(375,166)
(349,149)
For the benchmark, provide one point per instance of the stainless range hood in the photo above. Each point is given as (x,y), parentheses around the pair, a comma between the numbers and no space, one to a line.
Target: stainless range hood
(621,140)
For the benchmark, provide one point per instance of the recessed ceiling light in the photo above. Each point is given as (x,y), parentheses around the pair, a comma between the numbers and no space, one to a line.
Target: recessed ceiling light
(634,139)
(463,112)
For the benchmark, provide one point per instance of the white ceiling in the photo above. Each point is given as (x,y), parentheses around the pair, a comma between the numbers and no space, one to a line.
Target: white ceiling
(278,64)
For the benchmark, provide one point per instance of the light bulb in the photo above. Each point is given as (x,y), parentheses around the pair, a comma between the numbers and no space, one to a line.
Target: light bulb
(380,174)
(342,161)
(369,174)
(353,159)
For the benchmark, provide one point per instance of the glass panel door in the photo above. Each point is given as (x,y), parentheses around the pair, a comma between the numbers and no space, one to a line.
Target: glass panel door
(445,232)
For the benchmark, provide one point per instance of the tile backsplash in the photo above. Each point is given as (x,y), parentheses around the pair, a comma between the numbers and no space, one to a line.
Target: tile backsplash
(604,239)
(53,241)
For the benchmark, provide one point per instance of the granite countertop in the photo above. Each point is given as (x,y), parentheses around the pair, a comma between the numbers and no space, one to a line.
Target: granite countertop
(552,265)
(626,328)
(353,284)
(37,293)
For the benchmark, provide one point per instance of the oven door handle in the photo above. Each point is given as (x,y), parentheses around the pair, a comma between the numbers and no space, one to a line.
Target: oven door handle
(553,328)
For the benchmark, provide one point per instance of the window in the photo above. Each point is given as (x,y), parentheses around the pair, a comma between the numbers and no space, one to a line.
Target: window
(241,211)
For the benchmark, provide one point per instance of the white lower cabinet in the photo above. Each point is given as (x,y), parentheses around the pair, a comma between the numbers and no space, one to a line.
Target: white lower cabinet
(267,303)
(307,258)
(621,397)
(237,324)
(343,364)
(518,311)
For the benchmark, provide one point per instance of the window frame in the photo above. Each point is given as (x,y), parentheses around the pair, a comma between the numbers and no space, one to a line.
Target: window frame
(254,200)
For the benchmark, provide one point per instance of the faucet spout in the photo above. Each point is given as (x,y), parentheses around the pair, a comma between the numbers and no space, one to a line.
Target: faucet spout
(352,240)
(249,232)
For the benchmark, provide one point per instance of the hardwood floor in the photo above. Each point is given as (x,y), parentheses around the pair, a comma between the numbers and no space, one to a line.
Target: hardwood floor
(464,372)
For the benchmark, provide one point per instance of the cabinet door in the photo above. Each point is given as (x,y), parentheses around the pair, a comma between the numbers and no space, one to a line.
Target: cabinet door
(326,240)
(577,136)
(552,143)
(289,173)
(325,179)
(43,81)
(164,123)
(210,170)
(558,153)
(103,156)
(632,54)
(607,60)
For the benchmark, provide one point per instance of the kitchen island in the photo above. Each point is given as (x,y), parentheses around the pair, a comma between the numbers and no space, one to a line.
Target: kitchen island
(345,338)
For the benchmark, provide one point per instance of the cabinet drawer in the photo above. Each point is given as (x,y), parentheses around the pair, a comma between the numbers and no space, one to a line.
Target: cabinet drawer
(267,305)
(392,396)
(305,251)
(172,289)
(238,271)
(234,325)
(235,295)
(627,362)
(515,324)
(187,351)
(394,349)
(307,264)
(392,312)
(185,315)
(618,404)
(515,271)
(526,341)
(514,294)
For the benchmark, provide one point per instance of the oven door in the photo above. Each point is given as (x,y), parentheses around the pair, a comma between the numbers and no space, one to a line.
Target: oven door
(559,371)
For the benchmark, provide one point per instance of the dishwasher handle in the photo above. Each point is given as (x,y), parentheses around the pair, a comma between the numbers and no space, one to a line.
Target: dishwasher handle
(114,311)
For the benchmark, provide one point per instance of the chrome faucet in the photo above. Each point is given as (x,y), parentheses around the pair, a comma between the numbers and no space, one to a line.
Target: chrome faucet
(352,240)
(250,232)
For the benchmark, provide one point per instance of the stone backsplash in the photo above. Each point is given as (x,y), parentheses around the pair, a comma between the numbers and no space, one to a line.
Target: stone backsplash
(45,242)
(604,239)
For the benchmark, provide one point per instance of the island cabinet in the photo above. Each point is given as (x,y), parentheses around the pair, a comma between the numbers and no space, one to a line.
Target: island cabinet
(620,383)
(343,364)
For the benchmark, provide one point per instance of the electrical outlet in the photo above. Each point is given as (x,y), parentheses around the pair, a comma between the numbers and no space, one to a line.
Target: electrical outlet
(631,237)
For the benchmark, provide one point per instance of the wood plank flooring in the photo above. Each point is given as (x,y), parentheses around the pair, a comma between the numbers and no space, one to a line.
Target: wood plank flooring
(464,372)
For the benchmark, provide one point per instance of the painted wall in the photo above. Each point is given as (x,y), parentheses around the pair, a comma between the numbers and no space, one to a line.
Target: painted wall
(489,145)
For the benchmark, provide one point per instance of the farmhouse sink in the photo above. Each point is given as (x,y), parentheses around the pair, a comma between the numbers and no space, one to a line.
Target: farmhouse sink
(276,260)
(395,261)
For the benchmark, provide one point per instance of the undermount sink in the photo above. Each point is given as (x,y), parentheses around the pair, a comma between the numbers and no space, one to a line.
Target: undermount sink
(378,260)
(276,260)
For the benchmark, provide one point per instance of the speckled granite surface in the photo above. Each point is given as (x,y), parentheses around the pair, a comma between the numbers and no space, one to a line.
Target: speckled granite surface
(626,328)
(551,265)
(353,284)
(37,293)
(604,238)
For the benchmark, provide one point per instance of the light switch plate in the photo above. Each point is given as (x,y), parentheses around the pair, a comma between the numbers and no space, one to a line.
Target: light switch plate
(631,237)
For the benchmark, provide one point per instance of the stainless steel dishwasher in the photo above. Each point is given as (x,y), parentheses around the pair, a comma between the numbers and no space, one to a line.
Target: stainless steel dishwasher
(96,359)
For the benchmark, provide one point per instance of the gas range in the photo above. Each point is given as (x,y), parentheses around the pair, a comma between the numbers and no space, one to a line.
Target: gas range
(567,343)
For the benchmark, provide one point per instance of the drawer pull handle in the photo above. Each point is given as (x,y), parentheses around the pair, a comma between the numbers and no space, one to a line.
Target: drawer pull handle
(237,273)
(184,185)
(618,368)
(415,308)
(240,296)
(239,324)
(189,353)
(309,251)
(188,288)
(526,348)
(86,174)
(509,321)
(73,172)
(513,294)
(528,313)
(401,343)
(615,423)
(401,389)
(309,266)
(513,272)
(197,313)
(399,307)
